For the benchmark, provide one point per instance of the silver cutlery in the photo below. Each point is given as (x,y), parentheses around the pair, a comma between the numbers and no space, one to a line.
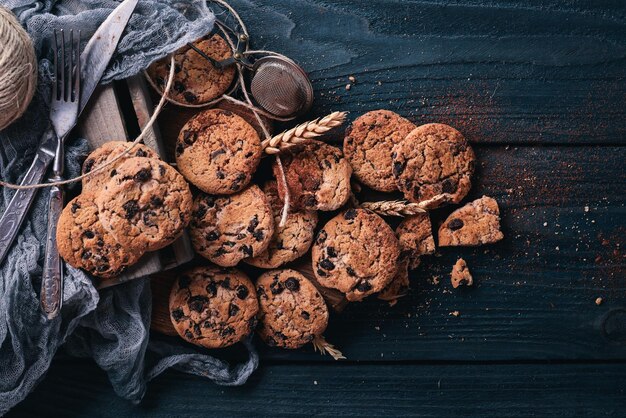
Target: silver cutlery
(63,114)
(93,62)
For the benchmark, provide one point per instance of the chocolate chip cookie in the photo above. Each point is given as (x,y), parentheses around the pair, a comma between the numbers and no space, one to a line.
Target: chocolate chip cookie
(356,252)
(460,274)
(317,175)
(196,80)
(476,223)
(289,241)
(368,145)
(106,153)
(83,242)
(213,307)
(218,151)
(399,285)
(434,164)
(416,238)
(291,310)
(227,229)
(145,205)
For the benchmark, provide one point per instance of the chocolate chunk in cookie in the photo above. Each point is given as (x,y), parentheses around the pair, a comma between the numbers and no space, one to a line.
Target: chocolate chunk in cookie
(317,175)
(213,307)
(84,243)
(399,285)
(218,151)
(145,205)
(433,164)
(416,238)
(291,310)
(356,252)
(227,229)
(460,274)
(196,80)
(368,145)
(290,241)
(105,153)
(476,223)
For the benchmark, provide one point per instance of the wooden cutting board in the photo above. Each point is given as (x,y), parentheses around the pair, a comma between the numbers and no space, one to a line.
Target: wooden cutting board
(104,120)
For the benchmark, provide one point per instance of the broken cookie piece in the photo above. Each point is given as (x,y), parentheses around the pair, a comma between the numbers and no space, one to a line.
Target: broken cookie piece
(461,274)
(476,223)
(416,238)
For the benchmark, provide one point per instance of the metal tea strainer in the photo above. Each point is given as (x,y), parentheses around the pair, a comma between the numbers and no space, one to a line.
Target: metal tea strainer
(276,84)
(281,87)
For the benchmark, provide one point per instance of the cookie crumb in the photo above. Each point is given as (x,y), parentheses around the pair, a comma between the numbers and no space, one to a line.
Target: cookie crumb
(455,313)
(460,274)
(599,301)
(352,79)
(586,208)
(348,86)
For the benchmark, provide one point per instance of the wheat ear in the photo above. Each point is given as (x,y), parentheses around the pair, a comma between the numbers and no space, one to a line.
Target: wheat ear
(303,132)
(404,208)
(324,347)
(394,207)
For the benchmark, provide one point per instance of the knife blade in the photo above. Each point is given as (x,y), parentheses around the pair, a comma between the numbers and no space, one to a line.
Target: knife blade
(94,60)
(100,48)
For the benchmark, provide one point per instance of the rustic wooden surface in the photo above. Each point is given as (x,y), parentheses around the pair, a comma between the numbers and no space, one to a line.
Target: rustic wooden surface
(540,90)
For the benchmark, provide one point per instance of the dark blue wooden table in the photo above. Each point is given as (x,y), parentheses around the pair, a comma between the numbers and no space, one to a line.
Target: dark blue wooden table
(540,91)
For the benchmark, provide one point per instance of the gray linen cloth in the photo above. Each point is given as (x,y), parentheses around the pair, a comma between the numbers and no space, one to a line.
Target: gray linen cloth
(112,326)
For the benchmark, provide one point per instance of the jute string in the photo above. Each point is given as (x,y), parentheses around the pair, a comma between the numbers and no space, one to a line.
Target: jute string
(18,69)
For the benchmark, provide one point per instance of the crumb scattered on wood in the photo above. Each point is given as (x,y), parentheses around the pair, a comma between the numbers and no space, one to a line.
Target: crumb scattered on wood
(598,301)
(352,79)
(455,313)
(460,274)
(348,86)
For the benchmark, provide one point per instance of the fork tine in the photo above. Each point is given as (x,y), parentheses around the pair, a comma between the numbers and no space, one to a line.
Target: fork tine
(55,88)
(62,86)
(70,69)
(77,80)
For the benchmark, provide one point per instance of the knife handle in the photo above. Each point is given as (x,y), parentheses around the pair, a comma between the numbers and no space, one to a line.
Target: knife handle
(21,201)
(52,280)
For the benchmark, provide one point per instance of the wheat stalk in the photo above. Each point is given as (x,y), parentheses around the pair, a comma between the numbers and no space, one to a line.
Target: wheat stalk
(324,347)
(303,132)
(394,207)
(402,207)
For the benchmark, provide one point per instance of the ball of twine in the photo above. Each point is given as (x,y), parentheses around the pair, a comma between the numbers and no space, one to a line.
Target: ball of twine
(18,69)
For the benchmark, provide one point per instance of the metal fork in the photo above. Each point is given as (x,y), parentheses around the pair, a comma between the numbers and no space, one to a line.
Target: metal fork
(64,110)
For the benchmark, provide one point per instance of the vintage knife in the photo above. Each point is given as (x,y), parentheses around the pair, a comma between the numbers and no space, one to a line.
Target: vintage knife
(94,61)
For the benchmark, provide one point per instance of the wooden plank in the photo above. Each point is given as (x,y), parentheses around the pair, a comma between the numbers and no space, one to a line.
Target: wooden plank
(102,122)
(143,106)
(78,388)
(502,72)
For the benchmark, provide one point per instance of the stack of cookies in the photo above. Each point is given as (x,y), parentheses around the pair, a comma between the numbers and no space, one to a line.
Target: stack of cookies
(356,252)
(136,204)
(234,220)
